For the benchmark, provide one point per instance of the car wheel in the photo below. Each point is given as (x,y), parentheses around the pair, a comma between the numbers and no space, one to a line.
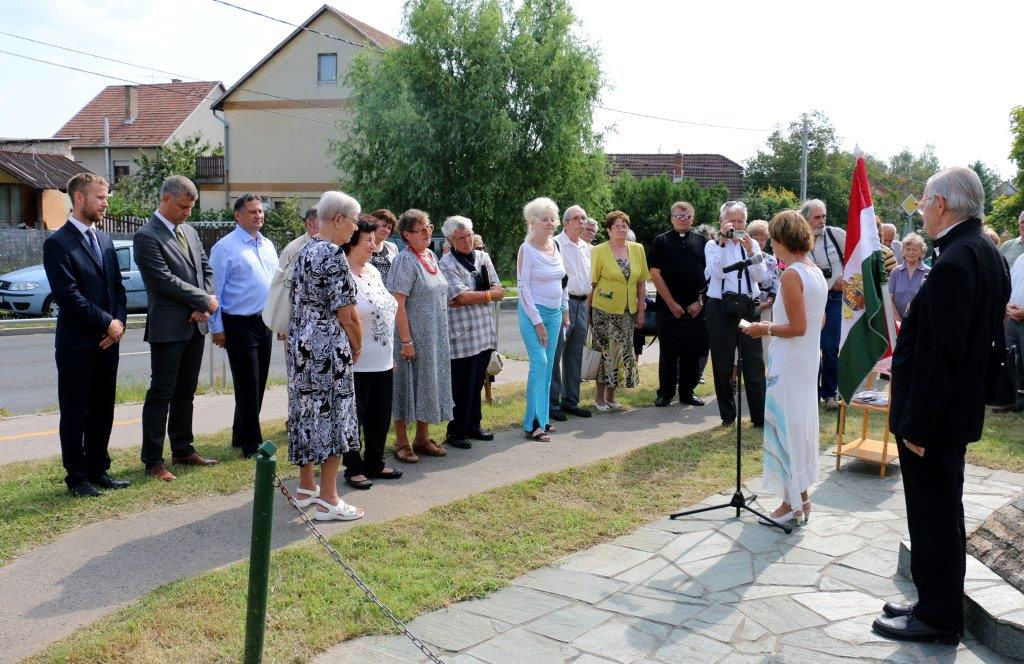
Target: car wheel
(50,308)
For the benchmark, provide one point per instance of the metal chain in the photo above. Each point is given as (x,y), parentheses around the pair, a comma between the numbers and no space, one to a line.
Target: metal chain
(352,574)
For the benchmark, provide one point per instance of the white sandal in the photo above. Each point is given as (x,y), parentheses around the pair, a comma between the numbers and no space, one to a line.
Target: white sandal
(615,405)
(340,512)
(311,495)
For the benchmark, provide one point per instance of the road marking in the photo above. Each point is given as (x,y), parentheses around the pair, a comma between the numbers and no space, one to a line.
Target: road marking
(50,432)
(141,352)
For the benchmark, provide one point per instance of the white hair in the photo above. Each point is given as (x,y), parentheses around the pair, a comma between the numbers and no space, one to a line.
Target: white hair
(731,206)
(533,210)
(961,187)
(630,235)
(757,226)
(574,208)
(590,221)
(892,227)
(333,203)
(455,223)
(915,239)
(805,209)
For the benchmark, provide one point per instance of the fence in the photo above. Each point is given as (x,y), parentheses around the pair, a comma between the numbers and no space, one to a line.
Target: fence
(122,225)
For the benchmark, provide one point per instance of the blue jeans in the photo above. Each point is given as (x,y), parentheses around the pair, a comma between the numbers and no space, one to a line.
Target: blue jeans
(828,373)
(542,360)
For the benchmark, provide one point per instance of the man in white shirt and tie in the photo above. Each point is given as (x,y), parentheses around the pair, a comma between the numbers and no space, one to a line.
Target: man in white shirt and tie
(565,376)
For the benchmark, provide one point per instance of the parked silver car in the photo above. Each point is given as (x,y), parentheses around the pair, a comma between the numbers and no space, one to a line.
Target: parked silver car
(27,291)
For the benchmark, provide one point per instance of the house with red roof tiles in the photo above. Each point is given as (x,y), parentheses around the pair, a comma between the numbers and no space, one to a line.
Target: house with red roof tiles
(707,169)
(109,132)
(283,113)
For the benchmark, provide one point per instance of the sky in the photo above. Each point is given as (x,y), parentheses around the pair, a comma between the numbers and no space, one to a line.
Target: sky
(889,75)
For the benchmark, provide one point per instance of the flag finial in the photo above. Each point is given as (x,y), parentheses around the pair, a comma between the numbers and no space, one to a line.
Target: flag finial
(857,152)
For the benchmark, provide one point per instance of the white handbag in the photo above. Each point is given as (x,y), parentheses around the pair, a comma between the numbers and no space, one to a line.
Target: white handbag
(591,361)
(277,311)
(495,364)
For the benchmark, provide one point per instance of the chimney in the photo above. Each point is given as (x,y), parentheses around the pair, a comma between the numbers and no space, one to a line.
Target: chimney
(175,80)
(677,167)
(131,104)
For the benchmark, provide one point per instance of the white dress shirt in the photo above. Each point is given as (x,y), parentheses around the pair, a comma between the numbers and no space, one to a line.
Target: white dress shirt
(1017,282)
(576,258)
(82,227)
(243,266)
(717,258)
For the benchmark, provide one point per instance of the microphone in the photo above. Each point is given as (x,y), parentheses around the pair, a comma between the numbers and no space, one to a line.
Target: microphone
(739,265)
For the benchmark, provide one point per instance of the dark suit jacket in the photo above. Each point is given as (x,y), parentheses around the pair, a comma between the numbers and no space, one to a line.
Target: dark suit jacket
(941,357)
(89,295)
(174,287)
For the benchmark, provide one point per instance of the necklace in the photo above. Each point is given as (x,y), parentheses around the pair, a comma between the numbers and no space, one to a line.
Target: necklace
(429,265)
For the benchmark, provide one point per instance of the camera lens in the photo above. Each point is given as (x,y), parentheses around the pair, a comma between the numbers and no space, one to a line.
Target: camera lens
(730,233)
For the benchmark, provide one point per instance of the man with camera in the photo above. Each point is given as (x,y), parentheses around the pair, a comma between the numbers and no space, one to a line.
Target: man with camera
(827,254)
(735,265)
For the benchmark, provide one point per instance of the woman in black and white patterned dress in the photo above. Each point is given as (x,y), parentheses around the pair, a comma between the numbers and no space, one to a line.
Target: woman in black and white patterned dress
(324,341)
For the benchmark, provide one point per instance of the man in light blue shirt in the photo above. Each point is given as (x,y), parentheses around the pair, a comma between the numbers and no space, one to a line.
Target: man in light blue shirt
(243,264)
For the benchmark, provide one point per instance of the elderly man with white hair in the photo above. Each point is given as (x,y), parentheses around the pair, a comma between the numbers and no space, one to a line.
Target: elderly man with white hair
(732,296)
(888,236)
(472,285)
(940,371)
(827,254)
(565,373)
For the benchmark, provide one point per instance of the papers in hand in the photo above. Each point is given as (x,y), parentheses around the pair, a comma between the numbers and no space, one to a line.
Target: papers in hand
(872,397)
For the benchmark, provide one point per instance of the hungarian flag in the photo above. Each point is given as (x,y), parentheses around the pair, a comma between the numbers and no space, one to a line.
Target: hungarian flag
(864,338)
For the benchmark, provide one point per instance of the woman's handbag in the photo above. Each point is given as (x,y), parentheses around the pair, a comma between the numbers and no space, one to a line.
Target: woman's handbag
(277,312)
(591,360)
(495,364)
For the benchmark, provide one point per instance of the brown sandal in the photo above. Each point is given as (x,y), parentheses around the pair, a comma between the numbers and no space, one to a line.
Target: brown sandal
(429,448)
(405,454)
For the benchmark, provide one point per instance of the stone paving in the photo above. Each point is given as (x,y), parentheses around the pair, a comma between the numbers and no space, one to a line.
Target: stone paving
(712,588)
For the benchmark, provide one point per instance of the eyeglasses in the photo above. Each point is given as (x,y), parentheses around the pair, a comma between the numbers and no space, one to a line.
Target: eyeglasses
(457,238)
(425,230)
(924,201)
(677,215)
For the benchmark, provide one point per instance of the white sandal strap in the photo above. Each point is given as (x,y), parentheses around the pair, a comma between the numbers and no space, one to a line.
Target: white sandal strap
(312,493)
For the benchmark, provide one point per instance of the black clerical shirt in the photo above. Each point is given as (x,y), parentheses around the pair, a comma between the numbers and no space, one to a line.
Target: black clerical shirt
(680,257)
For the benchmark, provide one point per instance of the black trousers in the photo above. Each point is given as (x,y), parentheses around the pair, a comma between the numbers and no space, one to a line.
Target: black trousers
(683,342)
(86,383)
(167,412)
(373,407)
(723,337)
(248,344)
(468,375)
(933,486)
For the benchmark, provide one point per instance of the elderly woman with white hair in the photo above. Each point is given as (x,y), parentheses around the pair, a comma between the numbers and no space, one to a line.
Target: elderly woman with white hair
(472,285)
(543,309)
(324,342)
(907,277)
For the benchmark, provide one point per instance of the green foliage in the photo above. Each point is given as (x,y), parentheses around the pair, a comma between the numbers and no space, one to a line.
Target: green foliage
(1007,209)
(119,206)
(141,190)
(768,201)
(488,106)
(648,201)
(989,181)
(284,223)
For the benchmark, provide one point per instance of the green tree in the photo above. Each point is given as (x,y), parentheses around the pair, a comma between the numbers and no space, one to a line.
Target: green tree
(284,222)
(904,175)
(648,200)
(488,106)
(141,190)
(829,169)
(1006,209)
(766,202)
(989,182)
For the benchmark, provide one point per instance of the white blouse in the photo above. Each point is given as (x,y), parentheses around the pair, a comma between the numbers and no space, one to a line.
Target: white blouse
(539,281)
(376,308)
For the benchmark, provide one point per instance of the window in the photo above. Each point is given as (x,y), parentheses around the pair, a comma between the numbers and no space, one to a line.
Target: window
(120,170)
(327,68)
(124,261)
(10,203)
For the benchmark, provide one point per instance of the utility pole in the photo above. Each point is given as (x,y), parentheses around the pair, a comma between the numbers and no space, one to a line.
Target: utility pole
(803,165)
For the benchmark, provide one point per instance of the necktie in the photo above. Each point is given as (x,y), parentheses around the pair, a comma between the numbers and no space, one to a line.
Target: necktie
(94,245)
(179,235)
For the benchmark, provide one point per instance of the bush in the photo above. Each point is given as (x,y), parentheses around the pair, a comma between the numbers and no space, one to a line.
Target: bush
(648,200)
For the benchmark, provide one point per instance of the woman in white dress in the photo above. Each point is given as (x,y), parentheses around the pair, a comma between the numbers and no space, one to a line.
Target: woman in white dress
(791,401)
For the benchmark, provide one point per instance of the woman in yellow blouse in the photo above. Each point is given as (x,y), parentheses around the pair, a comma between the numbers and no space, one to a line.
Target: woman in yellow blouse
(618,271)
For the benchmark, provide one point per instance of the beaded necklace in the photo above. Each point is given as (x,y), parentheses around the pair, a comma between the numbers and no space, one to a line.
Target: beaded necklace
(430,266)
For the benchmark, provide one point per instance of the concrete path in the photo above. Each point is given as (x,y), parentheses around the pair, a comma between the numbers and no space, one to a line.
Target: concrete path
(712,588)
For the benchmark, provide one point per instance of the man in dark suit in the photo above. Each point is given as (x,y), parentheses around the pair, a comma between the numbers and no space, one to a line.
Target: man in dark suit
(939,375)
(179,285)
(81,266)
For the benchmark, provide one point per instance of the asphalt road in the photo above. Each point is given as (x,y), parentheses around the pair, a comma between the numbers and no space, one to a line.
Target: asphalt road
(28,376)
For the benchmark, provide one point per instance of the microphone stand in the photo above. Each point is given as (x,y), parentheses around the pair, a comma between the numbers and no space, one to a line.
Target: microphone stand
(738,501)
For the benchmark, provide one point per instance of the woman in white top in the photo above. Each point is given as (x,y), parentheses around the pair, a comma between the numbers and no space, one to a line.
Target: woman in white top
(543,309)
(791,400)
(374,369)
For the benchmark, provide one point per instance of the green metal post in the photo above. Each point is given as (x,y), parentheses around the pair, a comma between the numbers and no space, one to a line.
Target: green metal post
(259,552)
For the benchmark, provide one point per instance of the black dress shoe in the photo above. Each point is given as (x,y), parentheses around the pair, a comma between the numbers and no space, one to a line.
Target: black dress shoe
(394,474)
(480,435)
(577,411)
(362,485)
(909,628)
(692,400)
(108,482)
(727,423)
(893,609)
(84,490)
(460,443)
(661,402)
(557,416)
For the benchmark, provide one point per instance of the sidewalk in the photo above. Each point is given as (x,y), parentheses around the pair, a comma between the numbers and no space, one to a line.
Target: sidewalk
(713,588)
(88,573)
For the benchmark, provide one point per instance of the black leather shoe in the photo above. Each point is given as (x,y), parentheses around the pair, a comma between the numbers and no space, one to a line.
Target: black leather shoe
(909,628)
(892,609)
(107,482)
(480,435)
(460,443)
(577,411)
(557,416)
(362,485)
(692,400)
(392,474)
(84,490)
(727,423)
(661,402)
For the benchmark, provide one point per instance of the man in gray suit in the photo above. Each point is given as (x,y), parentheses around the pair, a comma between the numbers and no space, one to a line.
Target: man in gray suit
(179,284)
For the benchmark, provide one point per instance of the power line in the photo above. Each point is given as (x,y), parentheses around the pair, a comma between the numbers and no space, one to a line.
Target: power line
(297,25)
(673,120)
